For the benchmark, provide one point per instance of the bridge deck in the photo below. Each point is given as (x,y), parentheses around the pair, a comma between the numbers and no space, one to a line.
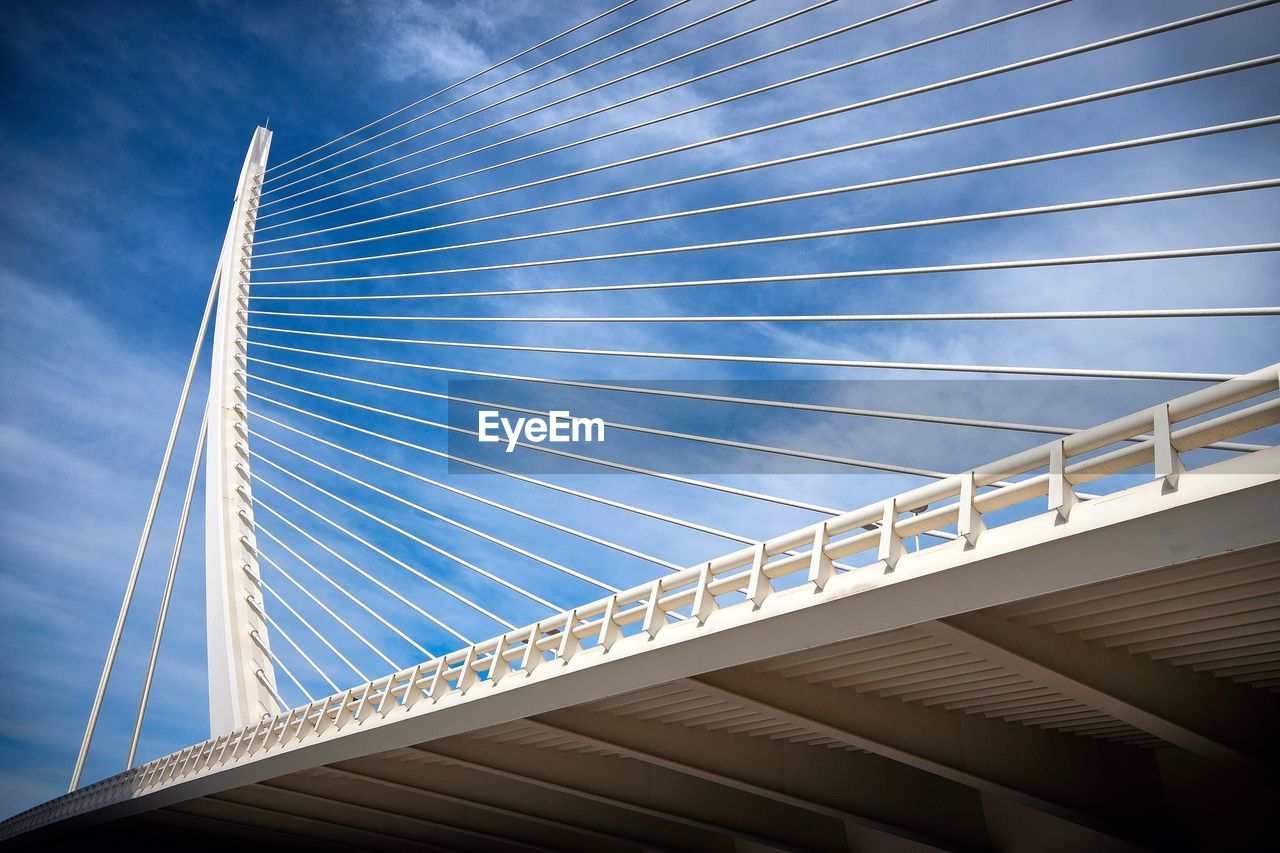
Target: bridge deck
(1105,683)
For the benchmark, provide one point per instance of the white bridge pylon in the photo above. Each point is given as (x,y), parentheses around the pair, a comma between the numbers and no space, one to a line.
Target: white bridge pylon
(241,672)
(242,685)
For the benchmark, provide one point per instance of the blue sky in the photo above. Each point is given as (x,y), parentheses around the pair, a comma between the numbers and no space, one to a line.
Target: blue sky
(122,130)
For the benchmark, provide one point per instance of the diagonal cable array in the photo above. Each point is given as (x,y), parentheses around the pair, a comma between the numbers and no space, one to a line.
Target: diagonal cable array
(743,236)
(804,118)
(599,110)
(449,88)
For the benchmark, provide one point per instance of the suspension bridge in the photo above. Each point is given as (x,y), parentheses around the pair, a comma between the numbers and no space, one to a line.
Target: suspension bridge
(703,226)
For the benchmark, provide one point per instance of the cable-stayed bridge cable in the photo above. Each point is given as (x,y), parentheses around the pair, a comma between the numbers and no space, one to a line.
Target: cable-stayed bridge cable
(839,110)
(434,620)
(980,423)
(406,534)
(260,504)
(419,508)
(166,596)
(489,86)
(837,275)
(131,584)
(348,563)
(1009,213)
(650,122)
(310,595)
(452,86)
(418,447)
(882,183)
(1117,314)
(283,667)
(306,624)
(737,5)
(1081,373)
(463,493)
(275,627)
(616,104)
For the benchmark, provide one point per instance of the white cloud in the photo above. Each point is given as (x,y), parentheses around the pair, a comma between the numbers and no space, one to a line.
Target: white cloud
(429,49)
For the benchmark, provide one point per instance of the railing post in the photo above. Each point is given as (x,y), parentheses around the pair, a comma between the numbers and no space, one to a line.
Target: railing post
(568,639)
(1061,496)
(820,568)
(467,674)
(498,663)
(1168,466)
(654,616)
(609,630)
(890,549)
(969,525)
(439,682)
(238,696)
(532,654)
(759,586)
(704,603)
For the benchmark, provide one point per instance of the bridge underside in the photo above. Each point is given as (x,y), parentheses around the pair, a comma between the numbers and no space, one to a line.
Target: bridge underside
(1133,713)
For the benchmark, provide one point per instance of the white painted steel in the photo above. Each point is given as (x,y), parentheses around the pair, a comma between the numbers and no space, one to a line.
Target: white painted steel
(1121,314)
(241,675)
(988,216)
(981,266)
(448,88)
(593,64)
(318,732)
(616,104)
(166,596)
(1015,370)
(145,538)
(488,87)
(907,93)
(749,644)
(1049,157)
(460,492)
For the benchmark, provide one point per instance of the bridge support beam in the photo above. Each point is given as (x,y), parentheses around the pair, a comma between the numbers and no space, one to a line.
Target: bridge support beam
(652,805)
(528,778)
(1207,716)
(492,802)
(379,816)
(843,787)
(241,677)
(1105,788)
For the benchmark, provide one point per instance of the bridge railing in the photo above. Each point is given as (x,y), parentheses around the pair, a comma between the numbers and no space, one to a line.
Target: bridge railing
(1148,437)
(753,570)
